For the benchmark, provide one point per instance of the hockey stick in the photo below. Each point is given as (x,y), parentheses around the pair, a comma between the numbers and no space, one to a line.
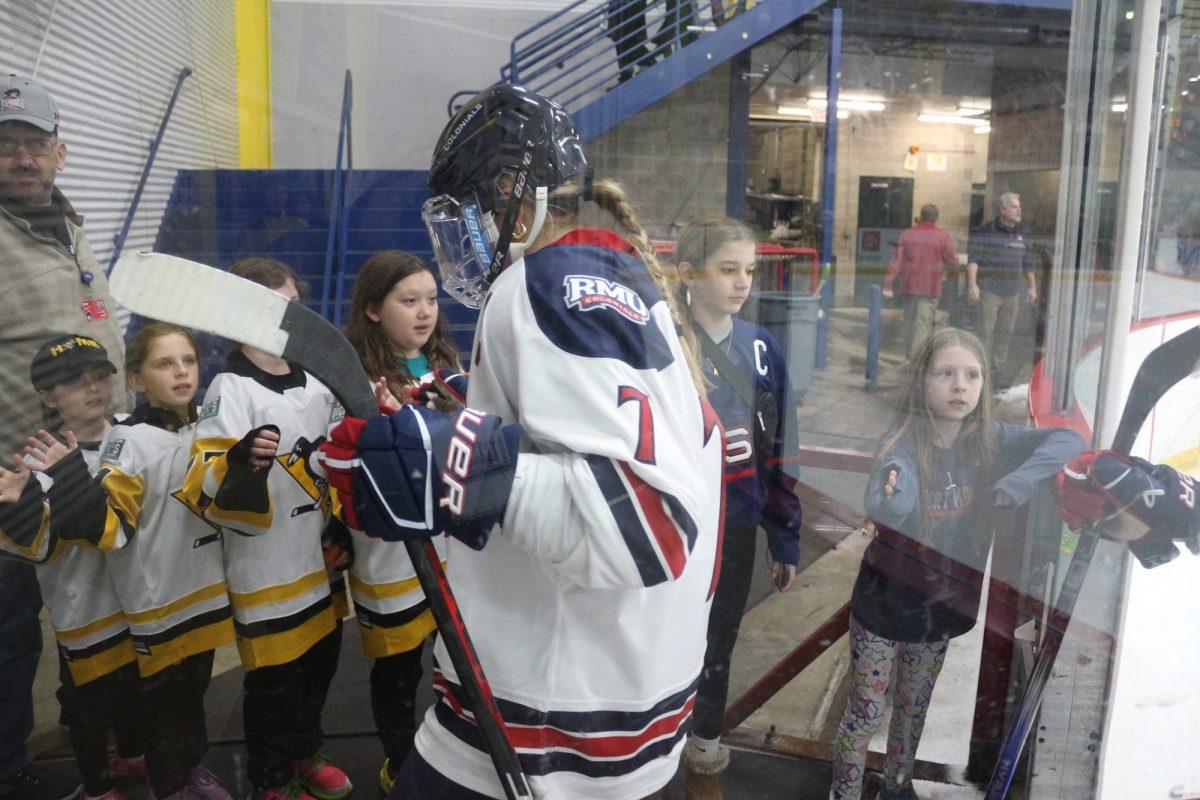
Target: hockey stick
(197,296)
(1167,365)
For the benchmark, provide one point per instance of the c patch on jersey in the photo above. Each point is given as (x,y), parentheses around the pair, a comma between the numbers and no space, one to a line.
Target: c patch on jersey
(209,409)
(589,293)
(112,450)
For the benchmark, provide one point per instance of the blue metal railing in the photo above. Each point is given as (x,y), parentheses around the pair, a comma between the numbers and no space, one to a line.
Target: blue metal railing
(119,242)
(587,48)
(339,212)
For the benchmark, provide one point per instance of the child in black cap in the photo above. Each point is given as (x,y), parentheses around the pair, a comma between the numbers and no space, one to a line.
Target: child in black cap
(73,377)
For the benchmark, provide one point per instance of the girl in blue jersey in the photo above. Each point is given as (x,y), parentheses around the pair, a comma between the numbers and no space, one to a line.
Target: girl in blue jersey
(943,471)
(401,338)
(715,258)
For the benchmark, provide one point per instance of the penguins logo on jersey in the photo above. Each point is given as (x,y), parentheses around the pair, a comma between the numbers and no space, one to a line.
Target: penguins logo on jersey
(296,464)
(588,293)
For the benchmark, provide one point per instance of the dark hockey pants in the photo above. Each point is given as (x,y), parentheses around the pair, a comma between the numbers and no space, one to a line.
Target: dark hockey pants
(724,621)
(175,733)
(281,711)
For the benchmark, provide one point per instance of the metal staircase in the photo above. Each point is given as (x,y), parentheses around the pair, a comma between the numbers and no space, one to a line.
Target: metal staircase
(606,61)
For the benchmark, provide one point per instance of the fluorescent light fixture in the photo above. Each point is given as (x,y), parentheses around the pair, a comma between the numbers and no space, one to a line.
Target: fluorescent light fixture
(971,111)
(1194,78)
(794,111)
(1120,108)
(848,104)
(948,119)
(984,129)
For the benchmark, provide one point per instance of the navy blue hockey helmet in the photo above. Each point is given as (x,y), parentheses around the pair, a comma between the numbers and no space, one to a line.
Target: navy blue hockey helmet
(502,144)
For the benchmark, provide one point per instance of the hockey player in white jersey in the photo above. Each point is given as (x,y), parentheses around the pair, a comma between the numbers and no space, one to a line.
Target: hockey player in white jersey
(581,488)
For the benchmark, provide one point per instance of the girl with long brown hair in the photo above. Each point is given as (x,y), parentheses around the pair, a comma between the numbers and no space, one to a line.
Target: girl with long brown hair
(401,338)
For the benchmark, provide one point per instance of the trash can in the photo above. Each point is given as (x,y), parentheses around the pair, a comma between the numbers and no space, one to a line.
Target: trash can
(792,319)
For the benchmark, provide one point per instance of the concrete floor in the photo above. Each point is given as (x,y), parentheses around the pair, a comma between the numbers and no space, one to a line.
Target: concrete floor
(837,413)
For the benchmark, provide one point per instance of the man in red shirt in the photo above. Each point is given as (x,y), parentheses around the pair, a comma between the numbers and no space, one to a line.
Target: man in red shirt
(921,253)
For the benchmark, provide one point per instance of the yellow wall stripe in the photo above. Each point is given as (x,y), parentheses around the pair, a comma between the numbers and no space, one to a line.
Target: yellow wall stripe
(1185,461)
(254,83)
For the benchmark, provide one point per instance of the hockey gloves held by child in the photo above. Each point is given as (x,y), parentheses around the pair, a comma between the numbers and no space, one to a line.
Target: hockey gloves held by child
(419,472)
(1149,506)
(447,391)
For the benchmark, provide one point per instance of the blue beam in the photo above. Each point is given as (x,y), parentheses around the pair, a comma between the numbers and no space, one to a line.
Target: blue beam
(738,165)
(647,87)
(829,185)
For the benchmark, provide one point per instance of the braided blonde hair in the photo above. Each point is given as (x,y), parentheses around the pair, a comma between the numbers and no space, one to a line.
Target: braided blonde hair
(565,208)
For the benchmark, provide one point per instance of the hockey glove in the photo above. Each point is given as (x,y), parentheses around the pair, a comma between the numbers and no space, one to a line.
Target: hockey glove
(336,457)
(419,472)
(244,487)
(446,392)
(1080,502)
(1155,505)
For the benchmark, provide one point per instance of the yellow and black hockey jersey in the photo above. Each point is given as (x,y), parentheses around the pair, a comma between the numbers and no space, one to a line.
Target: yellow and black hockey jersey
(280,592)
(164,559)
(89,625)
(393,614)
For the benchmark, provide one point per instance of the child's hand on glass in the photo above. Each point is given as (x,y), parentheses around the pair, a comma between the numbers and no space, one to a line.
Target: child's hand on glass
(889,488)
(44,449)
(12,481)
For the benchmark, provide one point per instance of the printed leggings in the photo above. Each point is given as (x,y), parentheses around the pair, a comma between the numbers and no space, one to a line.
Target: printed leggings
(872,661)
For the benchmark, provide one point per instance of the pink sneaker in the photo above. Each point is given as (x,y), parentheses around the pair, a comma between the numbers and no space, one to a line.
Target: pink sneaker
(202,784)
(124,771)
(322,779)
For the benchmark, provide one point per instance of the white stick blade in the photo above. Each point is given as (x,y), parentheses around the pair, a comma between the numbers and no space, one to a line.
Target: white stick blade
(193,295)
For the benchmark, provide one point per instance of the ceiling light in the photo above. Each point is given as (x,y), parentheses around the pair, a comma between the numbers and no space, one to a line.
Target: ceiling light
(984,129)
(843,114)
(848,104)
(970,111)
(1120,108)
(1128,15)
(794,111)
(949,119)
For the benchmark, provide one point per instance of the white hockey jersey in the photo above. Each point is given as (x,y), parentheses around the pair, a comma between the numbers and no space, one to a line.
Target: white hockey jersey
(280,591)
(85,613)
(393,615)
(165,561)
(589,605)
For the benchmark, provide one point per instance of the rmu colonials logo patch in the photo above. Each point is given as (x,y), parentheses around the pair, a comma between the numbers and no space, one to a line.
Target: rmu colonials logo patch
(587,293)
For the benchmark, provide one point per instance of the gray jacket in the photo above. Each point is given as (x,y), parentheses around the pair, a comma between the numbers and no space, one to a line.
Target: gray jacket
(42,293)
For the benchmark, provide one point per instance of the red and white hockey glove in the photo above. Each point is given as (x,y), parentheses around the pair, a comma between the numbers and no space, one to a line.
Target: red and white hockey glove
(1150,506)
(446,392)
(1081,502)
(338,458)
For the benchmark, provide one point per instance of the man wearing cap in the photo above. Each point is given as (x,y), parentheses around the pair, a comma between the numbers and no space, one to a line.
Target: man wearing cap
(49,282)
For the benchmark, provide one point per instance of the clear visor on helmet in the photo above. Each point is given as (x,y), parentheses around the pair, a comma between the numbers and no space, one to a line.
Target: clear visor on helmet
(463,238)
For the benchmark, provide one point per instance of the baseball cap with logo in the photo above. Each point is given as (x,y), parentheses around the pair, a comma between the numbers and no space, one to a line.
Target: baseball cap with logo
(65,357)
(24,100)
